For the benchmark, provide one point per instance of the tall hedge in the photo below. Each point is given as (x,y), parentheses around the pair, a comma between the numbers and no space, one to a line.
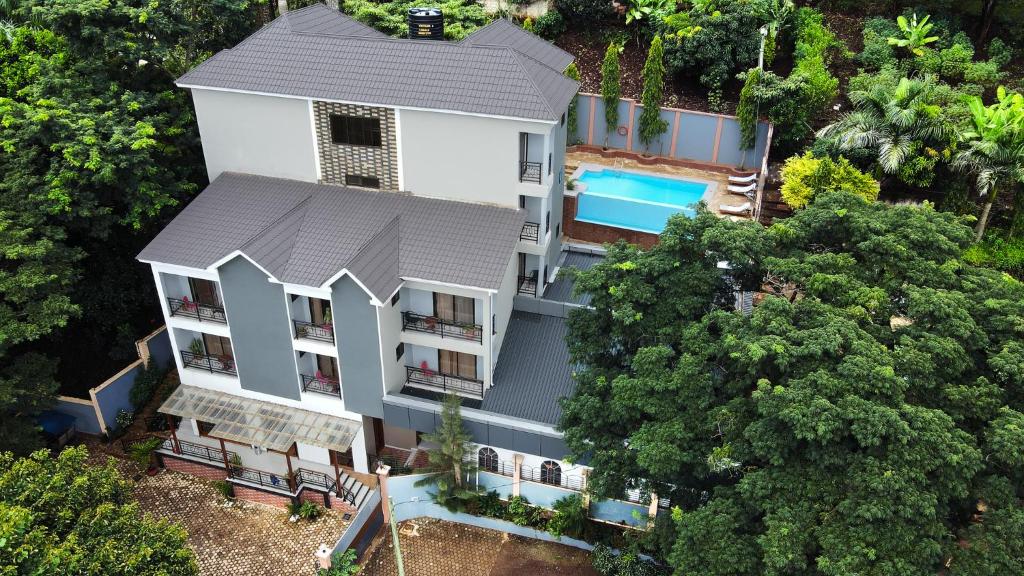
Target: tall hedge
(651,123)
(611,90)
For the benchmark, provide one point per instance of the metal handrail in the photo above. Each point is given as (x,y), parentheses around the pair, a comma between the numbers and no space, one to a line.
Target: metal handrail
(214,364)
(530,232)
(444,328)
(530,171)
(324,483)
(260,477)
(197,310)
(322,332)
(320,385)
(528,284)
(559,478)
(444,382)
(200,451)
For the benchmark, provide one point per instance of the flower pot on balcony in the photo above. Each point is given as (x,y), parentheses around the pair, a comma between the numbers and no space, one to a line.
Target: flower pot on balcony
(430,322)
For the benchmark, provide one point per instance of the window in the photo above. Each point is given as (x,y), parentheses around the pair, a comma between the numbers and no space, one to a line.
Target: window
(451,308)
(561,121)
(355,131)
(550,472)
(549,163)
(558,230)
(396,297)
(362,181)
(204,291)
(400,351)
(204,427)
(456,364)
(522,201)
(545,278)
(494,324)
(547,222)
(217,346)
(487,458)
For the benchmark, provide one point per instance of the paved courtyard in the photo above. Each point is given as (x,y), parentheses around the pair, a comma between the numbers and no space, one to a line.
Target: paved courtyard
(250,539)
(437,548)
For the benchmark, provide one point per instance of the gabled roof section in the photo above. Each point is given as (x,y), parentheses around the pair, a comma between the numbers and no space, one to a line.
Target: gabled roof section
(504,32)
(309,54)
(307,234)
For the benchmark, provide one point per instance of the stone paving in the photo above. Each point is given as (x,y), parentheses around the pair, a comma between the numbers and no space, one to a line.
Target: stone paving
(437,548)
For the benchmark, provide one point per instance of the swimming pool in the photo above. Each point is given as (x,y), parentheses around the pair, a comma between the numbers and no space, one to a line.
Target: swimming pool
(635,200)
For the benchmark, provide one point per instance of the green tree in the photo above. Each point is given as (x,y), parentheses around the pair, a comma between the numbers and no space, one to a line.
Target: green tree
(651,124)
(779,13)
(895,124)
(804,177)
(915,34)
(451,463)
(62,516)
(610,89)
(572,125)
(851,424)
(992,148)
(747,109)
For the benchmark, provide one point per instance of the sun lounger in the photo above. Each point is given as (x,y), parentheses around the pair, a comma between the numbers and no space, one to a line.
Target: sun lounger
(743,179)
(730,209)
(743,189)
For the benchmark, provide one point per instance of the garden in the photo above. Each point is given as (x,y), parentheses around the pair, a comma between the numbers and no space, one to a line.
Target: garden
(903,102)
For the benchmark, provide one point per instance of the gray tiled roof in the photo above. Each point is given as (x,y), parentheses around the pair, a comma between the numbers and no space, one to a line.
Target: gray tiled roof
(533,370)
(503,32)
(304,233)
(329,57)
(561,289)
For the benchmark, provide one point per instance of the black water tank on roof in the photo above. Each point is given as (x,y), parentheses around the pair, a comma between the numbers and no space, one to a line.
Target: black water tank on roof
(426,24)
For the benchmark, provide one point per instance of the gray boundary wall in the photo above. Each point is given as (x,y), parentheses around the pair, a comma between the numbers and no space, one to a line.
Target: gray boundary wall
(694,136)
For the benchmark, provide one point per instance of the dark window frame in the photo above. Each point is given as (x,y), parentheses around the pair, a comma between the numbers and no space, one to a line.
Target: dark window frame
(355,131)
(361,181)
(396,298)
(399,351)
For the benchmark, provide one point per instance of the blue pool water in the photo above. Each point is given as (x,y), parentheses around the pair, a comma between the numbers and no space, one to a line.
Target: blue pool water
(635,201)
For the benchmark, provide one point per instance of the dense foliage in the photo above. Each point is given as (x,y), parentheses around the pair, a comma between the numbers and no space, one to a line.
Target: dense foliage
(865,418)
(804,177)
(62,516)
(611,90)
(651,123)
(461,17)
(450,463)
(96,146)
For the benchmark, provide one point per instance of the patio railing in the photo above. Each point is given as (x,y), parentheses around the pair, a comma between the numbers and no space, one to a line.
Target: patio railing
(321,385)
(197,311)
(209,363)
(260,478)
(530,171)
(530,232)
(414,322)
(323,483)
(200,451)
(310,331)
(552,478)
(431,379)
(528,284)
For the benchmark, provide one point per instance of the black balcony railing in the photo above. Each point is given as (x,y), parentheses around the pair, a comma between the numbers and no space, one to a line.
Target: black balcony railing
(414,322)
(528,284)
(202,312)
(530,232)
(431,379)
(199,451)
(323,483)
(530,171)
(310,331)
(321,385)
(215,364)
(260,478)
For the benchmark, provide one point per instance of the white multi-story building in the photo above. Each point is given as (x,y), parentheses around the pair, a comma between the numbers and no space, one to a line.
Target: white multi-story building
(381,215)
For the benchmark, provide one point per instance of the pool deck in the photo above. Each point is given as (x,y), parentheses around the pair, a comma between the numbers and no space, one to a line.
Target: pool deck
(717,182)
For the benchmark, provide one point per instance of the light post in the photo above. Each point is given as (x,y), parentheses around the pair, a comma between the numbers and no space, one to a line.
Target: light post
(760,56)
(394,536)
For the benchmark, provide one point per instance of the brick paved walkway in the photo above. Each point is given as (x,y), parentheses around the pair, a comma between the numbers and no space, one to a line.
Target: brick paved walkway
(437,548)
(249,539)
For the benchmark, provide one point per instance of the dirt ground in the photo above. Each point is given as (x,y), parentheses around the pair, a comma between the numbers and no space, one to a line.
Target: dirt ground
(437,548)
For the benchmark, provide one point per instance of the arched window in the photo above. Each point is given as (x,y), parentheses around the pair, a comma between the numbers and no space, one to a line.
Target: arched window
(550,472)
(488,459)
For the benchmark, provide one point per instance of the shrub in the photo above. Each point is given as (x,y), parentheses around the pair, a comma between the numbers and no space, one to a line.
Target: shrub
(124,418)
(141,452)
(461,17)
(551,25)
(584,12)
(1006,254)
(713,45)
(651,123)
(146,383)
(610,88)
(306,510)
(804,177)
(570,517)
(999,52)
(224,488)
(746,111)
(877,52)
(572,120)
(986,73)
(342,564)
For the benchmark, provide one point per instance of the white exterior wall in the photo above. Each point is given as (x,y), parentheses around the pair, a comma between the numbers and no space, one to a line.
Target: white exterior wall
(264,135)
(389,320)
(462,157)
(503,307)
(532,460)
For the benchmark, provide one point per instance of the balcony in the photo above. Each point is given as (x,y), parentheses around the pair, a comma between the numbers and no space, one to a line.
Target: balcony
(214,364)
(530,171)
(185,308)
(413,322)
(321,385)
(441,382)
(528,284)
(310,331)
(530,232)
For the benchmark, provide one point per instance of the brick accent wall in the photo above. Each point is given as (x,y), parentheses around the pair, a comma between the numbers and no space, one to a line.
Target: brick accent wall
(598,233)
(336,160)
(253,495)
(194,468)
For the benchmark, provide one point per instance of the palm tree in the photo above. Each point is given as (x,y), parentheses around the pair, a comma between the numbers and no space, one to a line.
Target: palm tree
(891,122)
(992,149)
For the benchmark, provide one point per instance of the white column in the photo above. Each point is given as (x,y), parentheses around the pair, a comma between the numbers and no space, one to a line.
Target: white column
(359,459)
